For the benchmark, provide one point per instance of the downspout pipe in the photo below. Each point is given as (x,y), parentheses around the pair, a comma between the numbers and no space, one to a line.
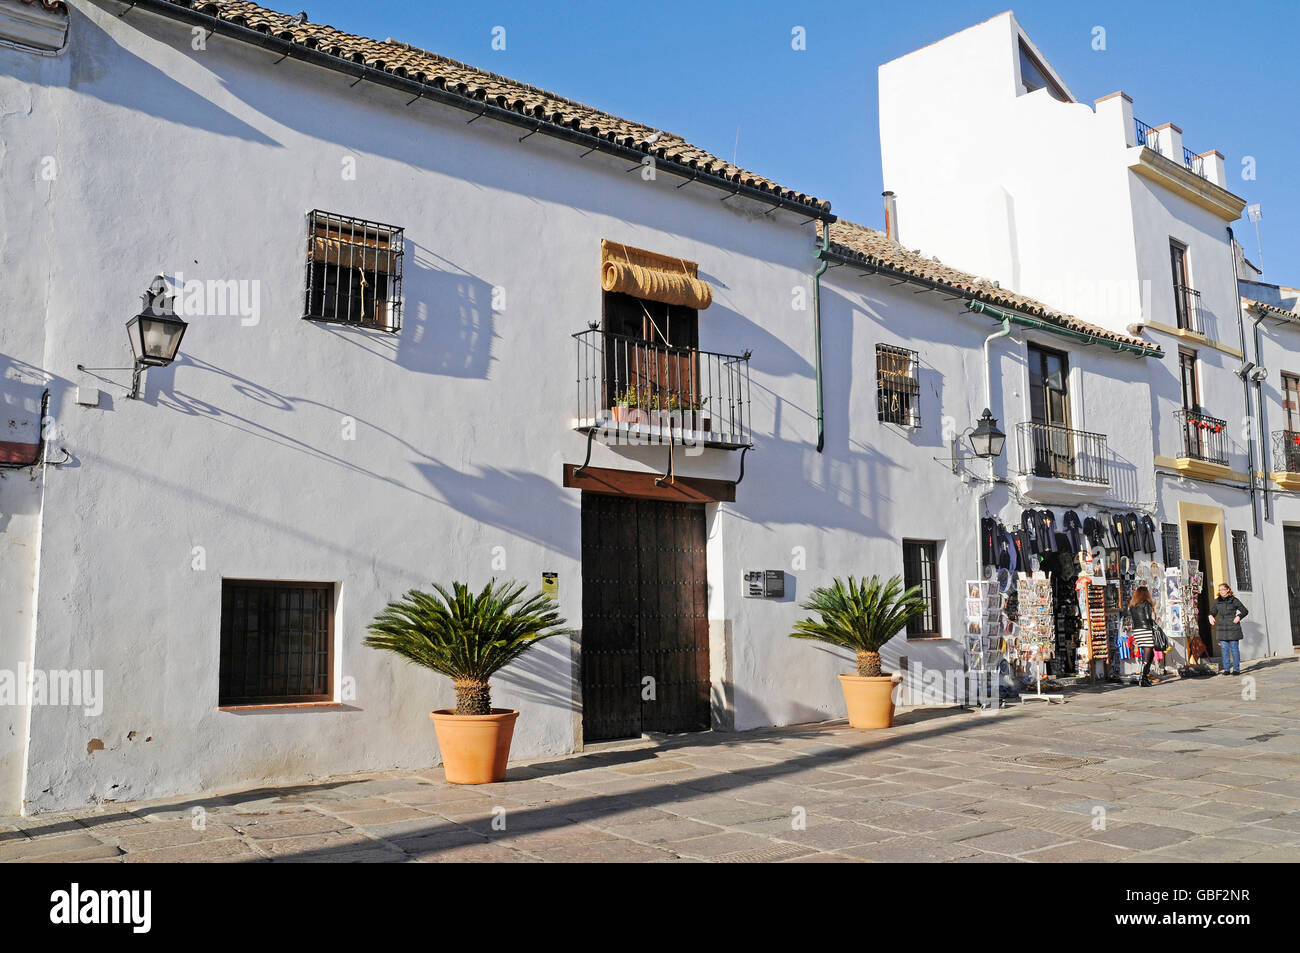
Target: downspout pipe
(817,332)
(1265,462)
(1245,391)
(988,360)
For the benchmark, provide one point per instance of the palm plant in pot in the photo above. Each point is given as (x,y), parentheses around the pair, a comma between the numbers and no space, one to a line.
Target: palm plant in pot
(862,616)
(468,638)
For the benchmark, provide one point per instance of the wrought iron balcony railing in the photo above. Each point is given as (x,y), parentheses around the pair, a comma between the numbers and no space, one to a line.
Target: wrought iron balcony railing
(1286,451)
(1187,305)
(639,392)
(1202,437)
(1062,453)
(1149,137)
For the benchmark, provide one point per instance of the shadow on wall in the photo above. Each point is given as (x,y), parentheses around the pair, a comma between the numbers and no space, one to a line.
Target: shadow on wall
(102,68)
(1123,476)
(545,675)
(447,321)
(491,497)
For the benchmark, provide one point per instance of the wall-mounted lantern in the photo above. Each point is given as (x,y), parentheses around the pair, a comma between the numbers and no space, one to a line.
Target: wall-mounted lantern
(155,332)
(986,440)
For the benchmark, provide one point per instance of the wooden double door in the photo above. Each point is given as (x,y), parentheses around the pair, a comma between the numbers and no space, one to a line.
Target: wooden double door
(645,626)
(1291,551)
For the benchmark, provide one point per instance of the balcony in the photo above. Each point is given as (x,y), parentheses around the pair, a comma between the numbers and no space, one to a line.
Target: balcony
(1286,459)
(634,392)
(1150,137)
(1187,305)
(1060,464)
(1202,446)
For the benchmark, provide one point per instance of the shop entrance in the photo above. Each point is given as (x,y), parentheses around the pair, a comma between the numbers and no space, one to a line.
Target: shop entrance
(1196,549)
(1291,550)
(645,628)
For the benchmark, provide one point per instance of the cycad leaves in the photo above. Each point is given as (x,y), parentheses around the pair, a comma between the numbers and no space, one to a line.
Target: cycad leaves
(861,616)
(461,635)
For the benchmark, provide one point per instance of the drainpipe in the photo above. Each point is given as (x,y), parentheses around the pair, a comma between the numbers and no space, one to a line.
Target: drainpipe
(1265,463)
(817,331)
(988,366)
(1245,392)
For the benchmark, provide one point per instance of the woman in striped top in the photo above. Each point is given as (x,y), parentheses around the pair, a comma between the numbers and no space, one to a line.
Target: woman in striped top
(1143,613)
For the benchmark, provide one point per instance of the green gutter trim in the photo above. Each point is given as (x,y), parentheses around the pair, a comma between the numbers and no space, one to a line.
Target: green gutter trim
(979,307)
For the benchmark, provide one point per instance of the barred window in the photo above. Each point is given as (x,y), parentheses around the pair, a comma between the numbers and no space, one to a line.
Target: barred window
(277,642)
(1241,556)
(354,271)
(898,390)
(1171,543)
(921,568)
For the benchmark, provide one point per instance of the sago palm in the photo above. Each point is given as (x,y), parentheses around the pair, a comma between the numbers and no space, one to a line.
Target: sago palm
(861,616)
(466,637)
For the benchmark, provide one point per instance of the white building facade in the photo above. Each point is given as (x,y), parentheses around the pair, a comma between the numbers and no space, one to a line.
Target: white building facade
(415,296)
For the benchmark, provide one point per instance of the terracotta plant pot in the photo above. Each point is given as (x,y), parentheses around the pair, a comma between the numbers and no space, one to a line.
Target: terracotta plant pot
(475,748)
(870,700)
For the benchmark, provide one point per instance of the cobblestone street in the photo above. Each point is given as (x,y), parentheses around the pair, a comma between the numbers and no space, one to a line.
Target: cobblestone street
(1195,770)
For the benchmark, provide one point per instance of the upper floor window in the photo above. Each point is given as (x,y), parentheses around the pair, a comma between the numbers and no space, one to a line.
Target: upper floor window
(1187,300)
(1033,75)
(1291,401)
(354,271)
(898,388)
(1189,380)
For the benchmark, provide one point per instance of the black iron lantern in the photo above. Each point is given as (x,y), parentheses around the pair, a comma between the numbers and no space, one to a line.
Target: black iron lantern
(986,440)
(155,332)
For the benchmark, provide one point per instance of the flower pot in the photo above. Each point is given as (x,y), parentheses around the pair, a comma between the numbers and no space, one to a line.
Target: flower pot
(475,748)
(870,700)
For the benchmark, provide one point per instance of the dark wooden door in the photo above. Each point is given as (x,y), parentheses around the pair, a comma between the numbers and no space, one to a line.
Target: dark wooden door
(644,616)
(1291,549)
(1196,550)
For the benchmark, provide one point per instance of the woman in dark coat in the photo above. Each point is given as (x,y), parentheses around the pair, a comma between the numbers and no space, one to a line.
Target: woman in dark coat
(1226,618)
(1141,610)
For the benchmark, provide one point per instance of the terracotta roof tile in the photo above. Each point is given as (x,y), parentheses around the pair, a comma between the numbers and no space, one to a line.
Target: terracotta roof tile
(876,248)
(402,59)
(1264,306)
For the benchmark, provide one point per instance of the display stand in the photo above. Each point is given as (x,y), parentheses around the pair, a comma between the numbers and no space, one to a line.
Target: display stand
(1037,632)
(985,624)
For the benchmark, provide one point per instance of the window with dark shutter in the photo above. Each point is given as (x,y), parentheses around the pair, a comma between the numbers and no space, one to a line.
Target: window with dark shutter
(1241,556)
(354,272)
(921,568)
(277,642)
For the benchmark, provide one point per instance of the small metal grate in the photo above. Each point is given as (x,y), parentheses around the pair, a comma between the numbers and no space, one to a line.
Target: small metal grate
(1057,761)
(354,271)
(898,388)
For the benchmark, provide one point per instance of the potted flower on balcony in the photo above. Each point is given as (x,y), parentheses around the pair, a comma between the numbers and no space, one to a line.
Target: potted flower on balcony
(862,616)
(468,638)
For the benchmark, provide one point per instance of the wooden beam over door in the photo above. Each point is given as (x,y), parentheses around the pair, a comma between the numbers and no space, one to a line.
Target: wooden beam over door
(642,485)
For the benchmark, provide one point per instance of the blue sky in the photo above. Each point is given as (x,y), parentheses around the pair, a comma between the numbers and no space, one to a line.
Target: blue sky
(1227,74)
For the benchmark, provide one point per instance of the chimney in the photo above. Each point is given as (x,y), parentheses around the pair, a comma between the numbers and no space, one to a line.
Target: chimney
(891,216)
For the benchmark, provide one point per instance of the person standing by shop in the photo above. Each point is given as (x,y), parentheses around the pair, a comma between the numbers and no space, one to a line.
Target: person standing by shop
(1226,615)
(1142,612)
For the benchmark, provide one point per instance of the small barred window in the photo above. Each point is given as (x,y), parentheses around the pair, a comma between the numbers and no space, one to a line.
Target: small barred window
(898,389)
(354,272)
(1241,556)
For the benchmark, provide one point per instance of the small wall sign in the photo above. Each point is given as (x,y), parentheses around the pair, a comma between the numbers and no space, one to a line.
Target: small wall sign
(551,584)
(765,584)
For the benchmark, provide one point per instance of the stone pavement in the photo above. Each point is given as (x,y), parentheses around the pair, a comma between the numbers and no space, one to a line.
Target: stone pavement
(1198,770)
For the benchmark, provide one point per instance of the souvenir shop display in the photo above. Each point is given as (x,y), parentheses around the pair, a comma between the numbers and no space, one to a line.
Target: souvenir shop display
(1036,640)
(986,630)
(1183,585)
(1094,629)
